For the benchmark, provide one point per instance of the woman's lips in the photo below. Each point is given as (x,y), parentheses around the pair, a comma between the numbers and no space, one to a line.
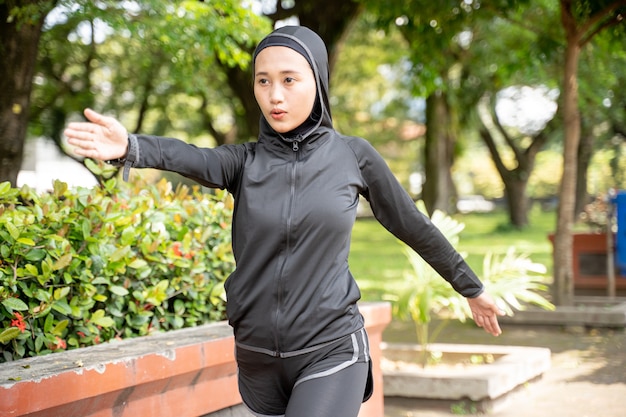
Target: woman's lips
(278,114)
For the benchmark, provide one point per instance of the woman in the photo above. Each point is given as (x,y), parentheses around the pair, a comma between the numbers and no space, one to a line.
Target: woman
(300,342)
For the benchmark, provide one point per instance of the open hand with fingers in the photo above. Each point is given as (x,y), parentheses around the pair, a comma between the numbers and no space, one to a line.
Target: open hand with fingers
(102,138)
(485,313)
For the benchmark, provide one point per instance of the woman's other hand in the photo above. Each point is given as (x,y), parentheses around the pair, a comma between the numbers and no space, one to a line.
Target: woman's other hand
(102,138)
(485,313)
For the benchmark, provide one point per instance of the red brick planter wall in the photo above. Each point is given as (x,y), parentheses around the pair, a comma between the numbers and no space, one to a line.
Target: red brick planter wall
(184,373)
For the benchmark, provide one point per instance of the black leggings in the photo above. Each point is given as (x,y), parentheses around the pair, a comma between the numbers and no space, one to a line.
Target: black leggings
(336,395)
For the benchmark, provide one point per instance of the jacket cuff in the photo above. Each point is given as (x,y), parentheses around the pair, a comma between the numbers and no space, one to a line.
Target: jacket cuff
(130,159)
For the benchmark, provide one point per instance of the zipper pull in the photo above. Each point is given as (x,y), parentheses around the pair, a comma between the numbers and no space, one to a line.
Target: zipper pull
(294,146)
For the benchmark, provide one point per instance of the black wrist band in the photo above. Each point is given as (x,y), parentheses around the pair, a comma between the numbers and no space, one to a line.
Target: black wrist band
(132,156)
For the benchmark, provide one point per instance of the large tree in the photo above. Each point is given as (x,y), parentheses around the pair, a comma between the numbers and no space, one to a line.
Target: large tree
(156,61)
(140,65)
(431,31)
(603,115)
(582,20)
(524,149)
(21,23)
(523,63)
(456,62)
(131,60)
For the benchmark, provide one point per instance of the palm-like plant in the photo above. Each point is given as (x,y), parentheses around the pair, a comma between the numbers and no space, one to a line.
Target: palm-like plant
(513,280)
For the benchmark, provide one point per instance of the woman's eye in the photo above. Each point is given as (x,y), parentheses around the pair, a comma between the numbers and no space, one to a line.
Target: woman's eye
(289,80)
(263,81)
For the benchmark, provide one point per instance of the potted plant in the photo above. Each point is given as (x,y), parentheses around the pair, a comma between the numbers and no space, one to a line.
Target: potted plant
(512,279)
(480,374)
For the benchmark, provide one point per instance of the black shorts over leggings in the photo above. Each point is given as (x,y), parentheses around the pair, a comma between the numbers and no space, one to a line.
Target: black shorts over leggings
(329,380)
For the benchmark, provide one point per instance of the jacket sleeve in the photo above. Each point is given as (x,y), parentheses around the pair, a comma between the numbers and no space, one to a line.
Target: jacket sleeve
(212,167)
(396,211)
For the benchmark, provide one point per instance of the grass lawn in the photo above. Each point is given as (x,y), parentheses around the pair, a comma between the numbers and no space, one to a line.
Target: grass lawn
(377,261)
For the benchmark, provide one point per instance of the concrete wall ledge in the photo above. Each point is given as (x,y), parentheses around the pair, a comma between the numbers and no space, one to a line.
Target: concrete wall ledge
(488,386)
(587,311)
(186,373)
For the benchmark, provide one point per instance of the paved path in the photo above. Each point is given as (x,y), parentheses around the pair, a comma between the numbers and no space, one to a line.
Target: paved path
(587,377)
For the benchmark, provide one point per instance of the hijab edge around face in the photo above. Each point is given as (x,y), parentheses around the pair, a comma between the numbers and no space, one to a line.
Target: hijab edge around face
(298,39)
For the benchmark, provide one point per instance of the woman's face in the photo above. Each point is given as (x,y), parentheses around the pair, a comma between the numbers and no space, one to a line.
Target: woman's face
(284,87)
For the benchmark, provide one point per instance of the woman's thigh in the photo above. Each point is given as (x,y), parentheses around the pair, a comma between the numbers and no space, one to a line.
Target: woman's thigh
(336,395)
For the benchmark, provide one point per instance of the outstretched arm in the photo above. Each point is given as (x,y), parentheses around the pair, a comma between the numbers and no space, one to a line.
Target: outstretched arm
(485,313)
(396,211)
(102,138)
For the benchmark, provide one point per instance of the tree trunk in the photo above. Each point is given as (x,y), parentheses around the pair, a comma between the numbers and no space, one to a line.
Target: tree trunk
(585,153)
(240,82)
(19,40)
(563,286)
(515,180)
(439,192)
(331,20)
(515,192)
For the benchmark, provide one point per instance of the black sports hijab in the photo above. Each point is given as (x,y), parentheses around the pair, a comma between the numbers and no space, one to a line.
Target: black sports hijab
(281,37)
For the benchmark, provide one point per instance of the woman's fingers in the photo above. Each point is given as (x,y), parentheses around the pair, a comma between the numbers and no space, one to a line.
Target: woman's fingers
(92,115)
(99,119)
(485,313)
(489,323)
(81,130)
(492,326)
(81,135)
(101,138)
(83,142)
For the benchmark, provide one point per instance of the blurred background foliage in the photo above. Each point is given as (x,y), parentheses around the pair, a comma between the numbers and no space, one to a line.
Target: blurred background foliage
(462,97)
(169,69)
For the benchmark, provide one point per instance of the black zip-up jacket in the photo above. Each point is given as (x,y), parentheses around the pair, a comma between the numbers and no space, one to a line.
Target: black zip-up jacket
(295,206)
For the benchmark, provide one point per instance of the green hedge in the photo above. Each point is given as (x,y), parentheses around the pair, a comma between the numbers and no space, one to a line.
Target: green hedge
(80,267)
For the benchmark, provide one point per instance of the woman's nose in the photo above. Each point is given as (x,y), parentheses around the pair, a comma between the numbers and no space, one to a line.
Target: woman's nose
(276,94)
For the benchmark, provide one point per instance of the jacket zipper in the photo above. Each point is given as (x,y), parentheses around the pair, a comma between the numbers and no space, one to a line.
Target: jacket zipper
(292,198)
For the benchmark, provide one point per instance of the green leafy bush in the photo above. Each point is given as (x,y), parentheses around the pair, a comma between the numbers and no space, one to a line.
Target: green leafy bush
(81,267)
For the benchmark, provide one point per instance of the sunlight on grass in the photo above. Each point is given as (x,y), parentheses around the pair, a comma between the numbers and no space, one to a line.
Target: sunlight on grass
(377,261)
